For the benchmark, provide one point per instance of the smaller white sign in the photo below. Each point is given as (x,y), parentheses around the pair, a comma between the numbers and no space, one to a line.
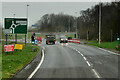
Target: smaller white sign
(8,31)
(21,22)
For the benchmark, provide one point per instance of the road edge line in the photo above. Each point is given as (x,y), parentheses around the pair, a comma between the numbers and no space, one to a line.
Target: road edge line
(96,74)
(39,65)
(108,51)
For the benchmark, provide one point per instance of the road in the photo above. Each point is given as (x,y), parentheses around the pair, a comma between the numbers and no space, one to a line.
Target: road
(77,61)
(71,61)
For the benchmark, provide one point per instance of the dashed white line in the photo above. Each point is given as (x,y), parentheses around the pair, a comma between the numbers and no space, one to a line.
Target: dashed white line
(88,63)
(79,52)
(96,74)
(84,58)
(31,75)
(82,54)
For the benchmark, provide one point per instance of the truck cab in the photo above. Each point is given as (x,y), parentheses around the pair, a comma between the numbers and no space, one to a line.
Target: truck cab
(50,39)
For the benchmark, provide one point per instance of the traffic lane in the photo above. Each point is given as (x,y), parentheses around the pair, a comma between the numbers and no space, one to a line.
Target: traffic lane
(104,62)
(63,62)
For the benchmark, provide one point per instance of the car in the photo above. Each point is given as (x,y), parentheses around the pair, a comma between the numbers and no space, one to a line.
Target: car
(69,38)
(39,40)
(63,39)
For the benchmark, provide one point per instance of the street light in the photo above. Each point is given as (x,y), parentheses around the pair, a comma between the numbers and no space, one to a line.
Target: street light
(76,24)
(99,21)
(27,25)
(14,15)
(13,31)
(69,24)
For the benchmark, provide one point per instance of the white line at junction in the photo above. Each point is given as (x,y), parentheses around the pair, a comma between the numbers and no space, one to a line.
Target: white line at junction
(32,74)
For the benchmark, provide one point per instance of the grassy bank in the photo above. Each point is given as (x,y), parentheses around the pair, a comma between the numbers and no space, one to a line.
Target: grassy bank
(11,63)
(20,36)
(109,45)
(0,61)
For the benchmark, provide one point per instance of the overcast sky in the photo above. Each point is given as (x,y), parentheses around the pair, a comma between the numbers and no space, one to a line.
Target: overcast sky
(37,9)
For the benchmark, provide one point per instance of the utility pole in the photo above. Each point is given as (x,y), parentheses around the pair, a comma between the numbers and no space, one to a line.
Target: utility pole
(13,32)
(69,25)
(27,25)
(76,24)
(100,22)
(87,36)
(111,34)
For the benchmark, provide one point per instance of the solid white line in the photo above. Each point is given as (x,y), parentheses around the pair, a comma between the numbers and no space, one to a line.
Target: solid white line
(102,49)
(37,66)
(108,51)
(111,52)
(96,74)
(88,63)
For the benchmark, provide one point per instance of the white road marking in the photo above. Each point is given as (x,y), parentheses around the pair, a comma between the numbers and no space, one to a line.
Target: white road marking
(102,49)
(109,51)
(37,66)
(84,58)
(76,50)
(96,74)
(88,63)
(82,54)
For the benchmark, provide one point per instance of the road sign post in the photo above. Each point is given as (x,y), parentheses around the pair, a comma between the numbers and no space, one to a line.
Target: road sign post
(16,38)
(25,39)
(6,38)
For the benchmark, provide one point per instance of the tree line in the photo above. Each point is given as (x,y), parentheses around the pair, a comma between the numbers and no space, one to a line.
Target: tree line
(87,23)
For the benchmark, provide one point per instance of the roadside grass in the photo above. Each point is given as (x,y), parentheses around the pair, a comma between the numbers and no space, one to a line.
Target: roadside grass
(109,45)
(11,63)
(20,36)
(0,61)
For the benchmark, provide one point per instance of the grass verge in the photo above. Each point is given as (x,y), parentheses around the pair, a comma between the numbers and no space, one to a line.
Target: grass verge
(11,63)
(0,61)
(108,45)
(20,36)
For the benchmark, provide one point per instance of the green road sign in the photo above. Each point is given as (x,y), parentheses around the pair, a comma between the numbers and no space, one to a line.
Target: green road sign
(16,25)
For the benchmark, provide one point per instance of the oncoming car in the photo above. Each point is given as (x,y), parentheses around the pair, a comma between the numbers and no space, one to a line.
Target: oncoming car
(63,39)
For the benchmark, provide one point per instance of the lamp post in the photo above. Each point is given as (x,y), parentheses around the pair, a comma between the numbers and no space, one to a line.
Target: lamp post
(76,24)
(27,25)
(100,22)
(69,25)
(13,31)
(14,15)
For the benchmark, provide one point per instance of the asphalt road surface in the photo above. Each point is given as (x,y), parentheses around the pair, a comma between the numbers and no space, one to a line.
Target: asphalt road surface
(77,61)
(71,61)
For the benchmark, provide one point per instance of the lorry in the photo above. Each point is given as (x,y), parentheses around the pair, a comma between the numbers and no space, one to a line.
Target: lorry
(50,39)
